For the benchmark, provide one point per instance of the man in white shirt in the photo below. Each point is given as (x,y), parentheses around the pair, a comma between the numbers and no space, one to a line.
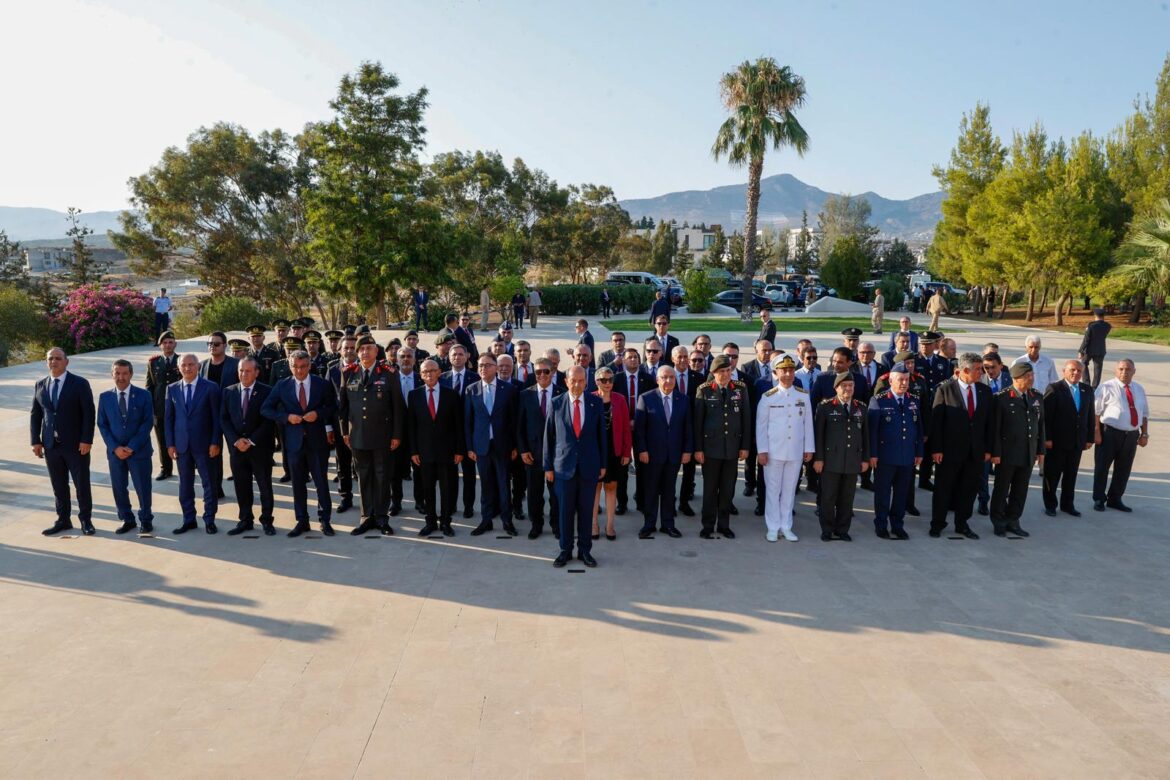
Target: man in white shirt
(162,313)
(1044,370)
(1122,418)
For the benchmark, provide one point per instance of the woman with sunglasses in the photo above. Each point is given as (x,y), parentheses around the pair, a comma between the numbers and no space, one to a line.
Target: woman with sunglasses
(617,427)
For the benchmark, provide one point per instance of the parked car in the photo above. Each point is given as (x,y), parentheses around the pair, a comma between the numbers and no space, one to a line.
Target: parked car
(734,299)
(636,277)
(674,294)
(779,295)
(944,288)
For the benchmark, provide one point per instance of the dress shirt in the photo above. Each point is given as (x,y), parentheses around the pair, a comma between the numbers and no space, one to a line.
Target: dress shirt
(1043,371)
(1111,405)
(963,393)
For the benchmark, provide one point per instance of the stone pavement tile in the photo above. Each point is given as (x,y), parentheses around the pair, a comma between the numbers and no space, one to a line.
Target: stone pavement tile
(891,770)
(937,753)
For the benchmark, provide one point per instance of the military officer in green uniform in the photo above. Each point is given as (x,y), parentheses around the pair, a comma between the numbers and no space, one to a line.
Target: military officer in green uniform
(842,452)
(265,354)
(239,348)
(1017,444)
(318,363)
(443,344)
(333,339)
(161,370)
(282,370)
(372,413)
(281,326)
(723,431)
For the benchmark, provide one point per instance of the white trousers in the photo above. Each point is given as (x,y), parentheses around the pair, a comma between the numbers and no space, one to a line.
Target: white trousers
(780,481)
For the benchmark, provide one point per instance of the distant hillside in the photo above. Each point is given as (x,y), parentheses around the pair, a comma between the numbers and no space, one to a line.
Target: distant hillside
(782,198)
(28,224)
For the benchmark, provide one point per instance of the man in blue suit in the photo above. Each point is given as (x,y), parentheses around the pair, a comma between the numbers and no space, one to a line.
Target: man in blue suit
(490,428)
(125,418)
(250,444)
(61,424)
(662,443)
(574,460)
(193,440)
(305,406)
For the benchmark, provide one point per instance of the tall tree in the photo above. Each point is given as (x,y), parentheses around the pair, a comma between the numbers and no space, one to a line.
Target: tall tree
(736,248)
(631,253)
(1139,150)
(684,259)
(847,266)
(762,97)
(844,216)
(81,267)
(663,246)
(13,270)
(897,259)
(580,238)
(715,253)
(804,259)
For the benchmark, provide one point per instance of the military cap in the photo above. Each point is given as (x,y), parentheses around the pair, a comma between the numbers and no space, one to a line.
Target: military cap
(1099,312)
(350,330)
(293,342)
(366,339)
(362,329)
(785,361)
(333,334)
(411,332)
(166,334)
(505,326)
(238,344)
(852,333)
(256,329)
(349,337)
(930,337)
(904,356)
(312,335)
(844,376)
(720,362)
(1021,369)
(899,368)
(444,339)
(281,323)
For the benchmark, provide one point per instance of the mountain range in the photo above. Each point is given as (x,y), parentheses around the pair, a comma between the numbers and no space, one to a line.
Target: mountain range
(30,224)
(782,199)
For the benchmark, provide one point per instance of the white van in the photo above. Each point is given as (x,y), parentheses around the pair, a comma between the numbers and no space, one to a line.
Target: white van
(635,277)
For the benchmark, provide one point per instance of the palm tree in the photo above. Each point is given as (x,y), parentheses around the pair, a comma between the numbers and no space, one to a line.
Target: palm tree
(1145,257)
(761,97)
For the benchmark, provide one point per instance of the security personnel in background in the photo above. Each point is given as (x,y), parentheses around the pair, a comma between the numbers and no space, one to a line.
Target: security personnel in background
(161,370)
(443,344)
(281,326)
(281,369)
(344,478)
(896,436)
(372,413)
(784,440)
(851,337)
(1017,444)
(842,452)
(240,348)
(264,354)
(318,363)
(936,369)
(723,432)
(333,354)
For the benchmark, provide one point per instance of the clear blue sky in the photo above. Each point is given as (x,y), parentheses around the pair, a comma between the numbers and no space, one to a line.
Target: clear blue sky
(620,93)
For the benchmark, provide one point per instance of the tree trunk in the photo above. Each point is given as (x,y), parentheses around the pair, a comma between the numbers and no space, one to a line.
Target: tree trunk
(977,300)
(1043,300)
(1003,303)
(755,169)
(1031,304)
(1060,304)
(380,312)
(1138,305)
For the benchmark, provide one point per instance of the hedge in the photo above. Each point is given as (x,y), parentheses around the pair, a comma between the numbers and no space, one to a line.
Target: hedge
(100,316)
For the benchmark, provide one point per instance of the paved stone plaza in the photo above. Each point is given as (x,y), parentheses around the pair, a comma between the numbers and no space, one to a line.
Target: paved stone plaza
(215,656)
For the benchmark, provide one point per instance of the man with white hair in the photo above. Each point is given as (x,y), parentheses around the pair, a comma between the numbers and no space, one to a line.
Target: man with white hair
(1044,370)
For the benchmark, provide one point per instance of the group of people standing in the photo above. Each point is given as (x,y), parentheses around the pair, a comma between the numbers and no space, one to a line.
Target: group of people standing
(518,429)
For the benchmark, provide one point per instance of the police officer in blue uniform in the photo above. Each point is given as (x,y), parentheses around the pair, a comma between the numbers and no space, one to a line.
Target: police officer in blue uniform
(896,446)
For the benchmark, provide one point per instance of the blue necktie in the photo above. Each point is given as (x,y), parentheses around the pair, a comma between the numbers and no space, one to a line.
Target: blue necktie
(1076,394)
(188,399)
(56,391)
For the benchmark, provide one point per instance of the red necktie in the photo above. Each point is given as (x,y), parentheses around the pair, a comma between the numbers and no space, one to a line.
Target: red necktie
(577,418)
(682,383)
(970,403)
(633,396)
(302,397)
(431,401)
(524,373)
(1133,417)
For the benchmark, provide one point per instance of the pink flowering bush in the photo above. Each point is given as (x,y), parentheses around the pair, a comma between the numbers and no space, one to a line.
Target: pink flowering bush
(100,316)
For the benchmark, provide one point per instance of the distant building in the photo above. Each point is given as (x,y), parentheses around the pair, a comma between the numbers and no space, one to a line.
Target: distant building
(55,259)
(697,239)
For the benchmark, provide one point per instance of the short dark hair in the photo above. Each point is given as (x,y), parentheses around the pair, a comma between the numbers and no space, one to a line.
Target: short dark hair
(617,333)
(123,363)
(583,321)
(844,351)
(993,357)
(219,334)
(731,344)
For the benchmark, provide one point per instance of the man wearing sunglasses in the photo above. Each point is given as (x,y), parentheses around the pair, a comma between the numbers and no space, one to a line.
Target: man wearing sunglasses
(666,342)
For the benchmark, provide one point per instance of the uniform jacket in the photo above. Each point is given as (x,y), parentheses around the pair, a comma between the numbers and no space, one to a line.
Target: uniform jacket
(135,431)
(372,414)
(722,420)
(896,432)
(784,424)
(842,436)
(1093,343)
(1018,427)
(160,373)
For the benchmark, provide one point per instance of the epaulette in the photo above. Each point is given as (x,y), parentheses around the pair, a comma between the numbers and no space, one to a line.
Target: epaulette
(350,367)
(801,390)
(773,391)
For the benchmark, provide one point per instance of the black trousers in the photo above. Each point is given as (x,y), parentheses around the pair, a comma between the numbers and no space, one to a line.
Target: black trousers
(468,469)
(255,464)
(430,475)
(956,481)
(753,476)
(925,471)
(517,472)
(718,489)
(658,494)
(65,463)
(536,487)
(1060,471)
(165,464)
(687,490)
(308,462)
(373,474)
(836,501)
(1116,450)
(1093,365)
(1009,494)
(344,470)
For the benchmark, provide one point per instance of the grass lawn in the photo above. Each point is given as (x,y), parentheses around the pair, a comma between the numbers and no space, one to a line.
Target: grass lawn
(1148,335)
(733,325)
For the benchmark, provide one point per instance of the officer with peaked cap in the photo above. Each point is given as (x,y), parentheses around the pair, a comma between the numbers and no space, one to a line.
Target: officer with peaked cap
(896,435)
(784,440)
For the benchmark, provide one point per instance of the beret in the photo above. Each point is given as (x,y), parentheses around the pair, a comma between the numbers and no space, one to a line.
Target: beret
(720,362)
(1021,369)
(844,376)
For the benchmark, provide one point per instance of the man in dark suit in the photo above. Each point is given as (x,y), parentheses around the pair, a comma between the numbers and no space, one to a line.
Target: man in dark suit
(61,426)
(525,373)
(691,374)
(666,343)
(435,419)
(663,442)
(959,444)
(575,448)
(343,455)
(1069,427)
(220,368)
(586,338)
(660,307)
(304,406)
(194,438)
(767,328)
(904,326)
(464,336)
(754,370)
(490,431)
(125,416)
(459,378)
(161,371)
(531,413)
(250,442)
(630,383)
(612,357)
(1092,349)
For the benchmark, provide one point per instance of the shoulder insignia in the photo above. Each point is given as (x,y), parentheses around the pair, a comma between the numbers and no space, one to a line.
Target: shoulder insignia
(801,390)
(773,391)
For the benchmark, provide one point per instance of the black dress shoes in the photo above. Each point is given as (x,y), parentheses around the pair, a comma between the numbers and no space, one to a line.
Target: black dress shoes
(162,475)
(727,533)
(57,528)
(1118,506)
(384,527)
(881,533)
(749,491)
(365,526)
(87,528)
(562,559)
(983,510)
(482,528)
(510,529)
(901,536)
(826,536)
(299,529)
(759,510)
(243,525)
(346,503)
(1015,529)
(210,528)
(613,537)
(126,527)
(733,510)
(185,527)
(327,528)
(1000,531)
(220,494)
(843,536)
(684,508)
(518,514)
(446,529)
(672,532)
(285,479)
(1099,506)
(705,534)
(935,533)
(967,532)
(468,512)
(395,510)
(1072,510)
(645,533)
(913,511)
(534,533)
(588,560)
(269,529)
(428,529)
(1050,512)
(147,527)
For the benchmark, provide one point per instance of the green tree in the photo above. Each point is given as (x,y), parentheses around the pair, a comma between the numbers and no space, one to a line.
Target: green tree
(81,267)
(715,253)
(736,248)
(631,253)
(663,246)
(580,238)
(699,290)
(684,259)
(13,269)
(1139,150)
(762,97)
(847,266)
(897,260)
(805,256)
(843,216)
(1144,256)
(22,325)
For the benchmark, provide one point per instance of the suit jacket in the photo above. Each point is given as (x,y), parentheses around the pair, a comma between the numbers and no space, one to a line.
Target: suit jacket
(693,380)
(665,357)
(1064,426)
(253,426)
(441,439)
(230,375)
(1093,343)
(863,391)
(194,427)
(665,440)
(659,307)
(465,338)
(753,371)
(447,379)
(530,421)
(609,357)
(586,338)
(283,401)
(521,380)
(70,422)
(951,431)
(768,331)
(567,455)
(913,340)
(621,386)
(486,432)
(135,431)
